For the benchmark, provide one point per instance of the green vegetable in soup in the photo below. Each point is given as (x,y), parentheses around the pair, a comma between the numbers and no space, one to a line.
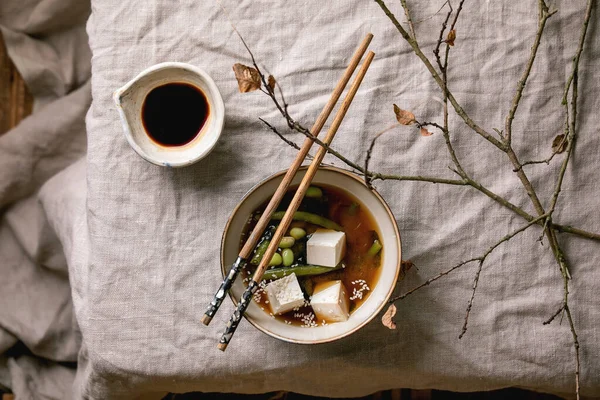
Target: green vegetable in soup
(262,245)
(308,287)
(286,242)
(353,208)
(276,260)
(297,233)
(375,248)
(299,250)
(299,270)
(288,257)
(259,252)
(310,218)
(314,192)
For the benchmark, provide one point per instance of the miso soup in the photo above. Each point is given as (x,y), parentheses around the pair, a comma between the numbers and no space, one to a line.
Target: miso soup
(331,224)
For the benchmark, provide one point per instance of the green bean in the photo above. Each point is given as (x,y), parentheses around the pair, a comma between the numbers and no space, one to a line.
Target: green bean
(262,245)
(313,192)
(297,233)
(308,287)
(310,218)
(299,250)
(288,257)
(276,260)
(299,270)
(286,242)
(375,248)
(259,252)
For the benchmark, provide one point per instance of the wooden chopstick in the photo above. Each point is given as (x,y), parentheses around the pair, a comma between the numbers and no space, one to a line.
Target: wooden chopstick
(262,223)
(295,203)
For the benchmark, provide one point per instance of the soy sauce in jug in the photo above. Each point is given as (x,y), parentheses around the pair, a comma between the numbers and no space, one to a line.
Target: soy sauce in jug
(173,114)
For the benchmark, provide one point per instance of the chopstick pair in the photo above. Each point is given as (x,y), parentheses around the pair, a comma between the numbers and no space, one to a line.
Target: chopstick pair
(292,208)
(280,192)
(262,223)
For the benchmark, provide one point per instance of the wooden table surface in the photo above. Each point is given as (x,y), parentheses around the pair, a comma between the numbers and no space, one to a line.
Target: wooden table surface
(15,100)
(16,103)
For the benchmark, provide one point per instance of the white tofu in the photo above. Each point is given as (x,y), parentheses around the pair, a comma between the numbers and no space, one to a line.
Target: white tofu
(284,294)
(326,247)
(330,301)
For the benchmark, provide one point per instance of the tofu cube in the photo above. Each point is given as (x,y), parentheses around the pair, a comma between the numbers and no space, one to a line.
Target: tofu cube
(330,301)
(326,247)
(284,294)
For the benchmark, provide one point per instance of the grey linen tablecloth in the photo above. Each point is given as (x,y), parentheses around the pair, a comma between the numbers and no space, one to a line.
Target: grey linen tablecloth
(142,242)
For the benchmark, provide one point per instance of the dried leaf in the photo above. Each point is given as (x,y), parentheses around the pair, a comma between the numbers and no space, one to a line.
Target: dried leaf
(387,320)
(425,132)
(403,116)
(247,77)
(559,144)
(271,83)
(405,266)
(451,37)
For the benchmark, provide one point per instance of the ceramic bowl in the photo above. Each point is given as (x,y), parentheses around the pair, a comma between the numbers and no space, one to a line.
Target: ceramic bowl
(130,98)
(388,233)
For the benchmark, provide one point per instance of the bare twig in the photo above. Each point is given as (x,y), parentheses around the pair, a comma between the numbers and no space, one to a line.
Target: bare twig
(460,6)
(432,15)
(370,150)
(556,314)
(481,259)
(575,345)
(532,162)
(575,231)
(572,82)
(423,124)
(409,19)
(372,175)
(470,304)
(544,15)
(282,137)
(557,148)
(431,280)
(444,69)
(440,40)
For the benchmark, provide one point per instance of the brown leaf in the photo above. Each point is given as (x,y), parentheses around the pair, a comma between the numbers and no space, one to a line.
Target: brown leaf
(247,77)
(405,266)
(559,144)
(451,37)
(403,116)
(387,320)
(425,132)
(271,83)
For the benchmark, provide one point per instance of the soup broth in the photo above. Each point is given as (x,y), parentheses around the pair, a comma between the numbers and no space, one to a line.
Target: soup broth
(360,265)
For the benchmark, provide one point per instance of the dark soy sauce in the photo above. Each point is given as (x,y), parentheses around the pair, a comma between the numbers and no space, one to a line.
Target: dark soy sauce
(173,114)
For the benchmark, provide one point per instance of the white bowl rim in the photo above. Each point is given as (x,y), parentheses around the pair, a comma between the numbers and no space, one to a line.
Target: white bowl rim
(218,101)
(366,320)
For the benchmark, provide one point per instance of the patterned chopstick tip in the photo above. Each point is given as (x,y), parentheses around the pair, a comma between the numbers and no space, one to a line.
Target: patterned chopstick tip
(217,300)
(236,318)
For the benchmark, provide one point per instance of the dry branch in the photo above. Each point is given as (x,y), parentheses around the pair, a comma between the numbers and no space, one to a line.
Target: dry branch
(502,142)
